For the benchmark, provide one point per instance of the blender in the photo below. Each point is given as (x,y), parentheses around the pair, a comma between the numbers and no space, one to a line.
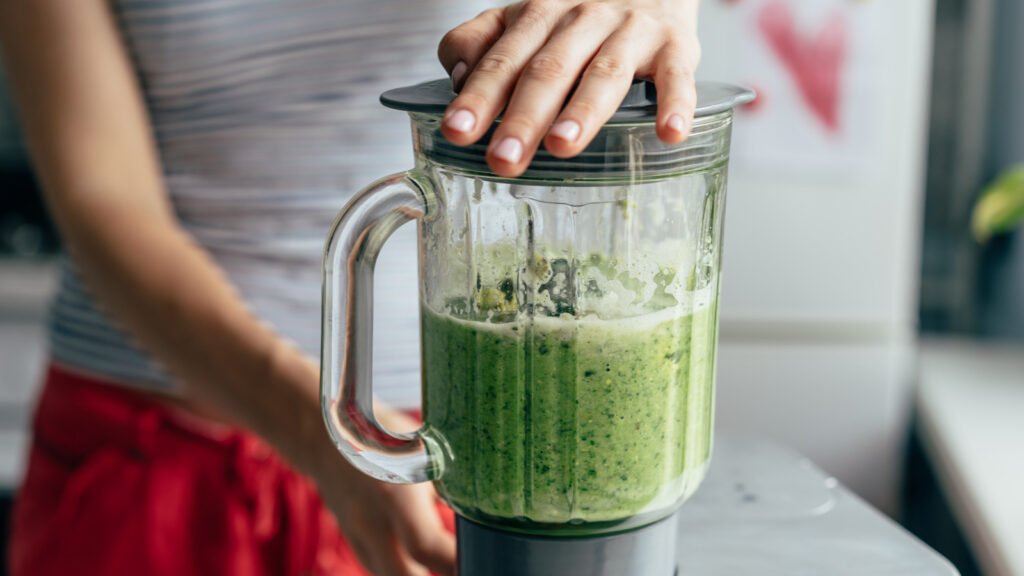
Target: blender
(569,321)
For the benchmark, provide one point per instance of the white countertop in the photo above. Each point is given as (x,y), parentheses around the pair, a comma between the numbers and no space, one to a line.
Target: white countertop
(971,404)
(765,510)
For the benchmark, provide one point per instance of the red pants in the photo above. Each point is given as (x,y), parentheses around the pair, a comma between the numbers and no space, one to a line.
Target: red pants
(120,485)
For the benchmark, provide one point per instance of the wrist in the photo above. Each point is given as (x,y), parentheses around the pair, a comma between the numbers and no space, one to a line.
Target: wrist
(297,418)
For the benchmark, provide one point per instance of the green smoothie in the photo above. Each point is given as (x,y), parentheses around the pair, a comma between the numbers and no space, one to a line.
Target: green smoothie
(558,420)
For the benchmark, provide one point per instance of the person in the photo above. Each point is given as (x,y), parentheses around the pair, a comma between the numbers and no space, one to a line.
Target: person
(193,155)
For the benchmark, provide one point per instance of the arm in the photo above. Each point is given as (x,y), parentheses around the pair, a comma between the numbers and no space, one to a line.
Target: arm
(88,132)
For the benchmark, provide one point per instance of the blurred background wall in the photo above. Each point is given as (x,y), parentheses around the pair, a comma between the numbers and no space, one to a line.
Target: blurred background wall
(27,279)
(819,305)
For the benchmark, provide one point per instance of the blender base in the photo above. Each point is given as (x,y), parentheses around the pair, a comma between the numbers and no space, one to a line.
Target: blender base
(648,551)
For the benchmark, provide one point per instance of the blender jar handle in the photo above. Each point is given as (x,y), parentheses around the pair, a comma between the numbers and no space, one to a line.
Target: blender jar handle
(346,349)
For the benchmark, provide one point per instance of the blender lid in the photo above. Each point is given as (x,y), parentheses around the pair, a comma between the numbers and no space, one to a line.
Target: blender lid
(640,104)
(628,152)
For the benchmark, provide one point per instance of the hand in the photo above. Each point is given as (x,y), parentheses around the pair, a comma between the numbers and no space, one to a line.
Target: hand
(529,55)
(394,529)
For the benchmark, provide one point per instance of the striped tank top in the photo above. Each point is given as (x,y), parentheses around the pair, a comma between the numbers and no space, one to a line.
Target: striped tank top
(266,119)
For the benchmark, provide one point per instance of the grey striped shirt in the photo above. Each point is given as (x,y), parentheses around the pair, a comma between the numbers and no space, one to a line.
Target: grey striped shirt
(266,118)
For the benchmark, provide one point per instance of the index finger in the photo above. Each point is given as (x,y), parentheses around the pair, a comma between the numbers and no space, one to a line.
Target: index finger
(490,83)
(462,47)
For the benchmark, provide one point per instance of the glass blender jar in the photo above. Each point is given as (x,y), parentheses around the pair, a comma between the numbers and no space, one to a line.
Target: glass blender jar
(569,320)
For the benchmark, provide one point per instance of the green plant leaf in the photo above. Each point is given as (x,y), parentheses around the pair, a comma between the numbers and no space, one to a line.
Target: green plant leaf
(1001,206)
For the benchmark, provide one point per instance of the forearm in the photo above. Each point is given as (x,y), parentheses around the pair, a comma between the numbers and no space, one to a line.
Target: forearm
(167,292)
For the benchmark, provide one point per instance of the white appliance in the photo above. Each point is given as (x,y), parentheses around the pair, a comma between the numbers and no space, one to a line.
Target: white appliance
(819,304)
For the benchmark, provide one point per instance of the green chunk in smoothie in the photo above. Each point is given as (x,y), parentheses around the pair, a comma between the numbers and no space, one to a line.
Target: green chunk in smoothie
(569,421)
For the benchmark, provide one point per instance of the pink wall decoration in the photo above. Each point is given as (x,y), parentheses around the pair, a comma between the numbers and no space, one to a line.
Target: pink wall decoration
(815,61)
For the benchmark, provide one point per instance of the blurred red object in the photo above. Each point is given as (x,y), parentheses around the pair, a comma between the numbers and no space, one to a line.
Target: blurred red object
(758,102)
(119,485)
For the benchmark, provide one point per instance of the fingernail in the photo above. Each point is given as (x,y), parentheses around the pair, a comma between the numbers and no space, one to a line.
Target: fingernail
(460,121)
(676,123)
(457,73)
(568,130)
(510,150)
